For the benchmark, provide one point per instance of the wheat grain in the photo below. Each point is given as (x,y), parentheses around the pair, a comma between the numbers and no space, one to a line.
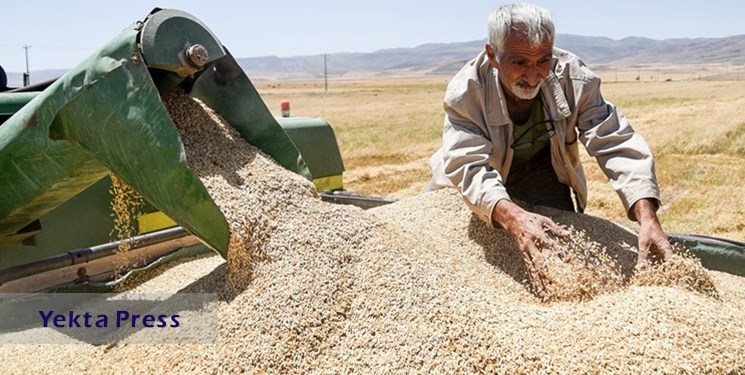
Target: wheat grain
(126,204)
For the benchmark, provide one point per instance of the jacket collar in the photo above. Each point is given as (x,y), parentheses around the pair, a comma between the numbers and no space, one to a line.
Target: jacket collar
(551,88)
(495,102)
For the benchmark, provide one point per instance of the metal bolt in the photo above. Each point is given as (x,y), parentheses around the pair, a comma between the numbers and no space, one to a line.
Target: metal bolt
(197,55)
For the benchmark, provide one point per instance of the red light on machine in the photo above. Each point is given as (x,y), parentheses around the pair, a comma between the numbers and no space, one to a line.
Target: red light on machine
(285,107)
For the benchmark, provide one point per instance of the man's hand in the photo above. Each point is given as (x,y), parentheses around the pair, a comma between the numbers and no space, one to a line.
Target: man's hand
(530,232)
(653,245)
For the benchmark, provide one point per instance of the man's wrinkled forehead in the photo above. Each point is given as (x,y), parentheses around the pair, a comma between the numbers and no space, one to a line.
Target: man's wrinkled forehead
(519,34)
(519,44)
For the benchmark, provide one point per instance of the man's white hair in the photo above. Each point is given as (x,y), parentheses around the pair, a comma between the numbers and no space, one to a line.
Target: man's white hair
(531,20)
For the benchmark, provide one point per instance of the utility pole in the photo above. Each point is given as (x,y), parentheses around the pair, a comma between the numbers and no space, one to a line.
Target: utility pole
(27,75)
(325,75)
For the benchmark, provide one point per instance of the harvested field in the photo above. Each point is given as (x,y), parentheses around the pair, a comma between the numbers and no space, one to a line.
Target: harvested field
(420,286)
(388,127)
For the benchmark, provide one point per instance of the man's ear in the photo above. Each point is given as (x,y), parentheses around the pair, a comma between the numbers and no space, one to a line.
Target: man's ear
(491,55)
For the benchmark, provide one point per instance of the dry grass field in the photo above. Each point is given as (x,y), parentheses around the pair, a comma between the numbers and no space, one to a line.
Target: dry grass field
(388,127)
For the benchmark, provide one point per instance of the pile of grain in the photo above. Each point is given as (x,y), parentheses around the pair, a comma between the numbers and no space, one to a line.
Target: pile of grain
(583,266)
(683,270)
(577,268)
(420,286)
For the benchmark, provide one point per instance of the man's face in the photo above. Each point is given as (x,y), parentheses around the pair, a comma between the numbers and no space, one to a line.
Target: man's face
(522,68)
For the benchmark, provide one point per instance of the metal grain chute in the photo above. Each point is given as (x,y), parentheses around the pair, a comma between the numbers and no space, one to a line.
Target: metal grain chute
(106,116)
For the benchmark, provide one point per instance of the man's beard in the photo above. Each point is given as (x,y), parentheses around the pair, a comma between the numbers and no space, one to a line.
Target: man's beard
(521,90)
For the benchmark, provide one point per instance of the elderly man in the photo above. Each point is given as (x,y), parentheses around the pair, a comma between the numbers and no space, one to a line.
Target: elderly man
(514,117)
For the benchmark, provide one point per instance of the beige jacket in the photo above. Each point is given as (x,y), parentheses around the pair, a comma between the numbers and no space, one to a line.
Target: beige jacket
(475,156)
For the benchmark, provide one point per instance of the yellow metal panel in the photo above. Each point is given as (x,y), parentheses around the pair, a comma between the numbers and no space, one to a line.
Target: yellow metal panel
(334,182)
(154,221)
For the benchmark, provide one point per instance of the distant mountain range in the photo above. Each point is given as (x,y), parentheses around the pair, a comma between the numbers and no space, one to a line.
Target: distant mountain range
(632,52)
(447,58)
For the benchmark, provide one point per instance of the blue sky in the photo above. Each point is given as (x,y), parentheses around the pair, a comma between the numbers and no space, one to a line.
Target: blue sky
(62,33)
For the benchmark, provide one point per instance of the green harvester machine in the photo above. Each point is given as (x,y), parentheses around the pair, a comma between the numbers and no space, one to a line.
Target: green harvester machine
(61,140)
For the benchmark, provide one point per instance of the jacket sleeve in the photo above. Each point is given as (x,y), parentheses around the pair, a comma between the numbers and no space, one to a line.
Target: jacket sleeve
(621,153)
(466,152)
